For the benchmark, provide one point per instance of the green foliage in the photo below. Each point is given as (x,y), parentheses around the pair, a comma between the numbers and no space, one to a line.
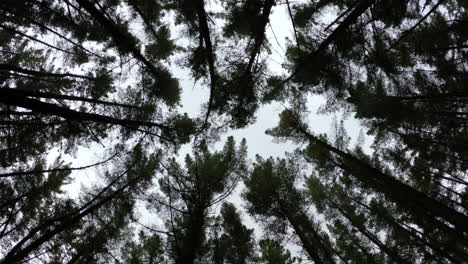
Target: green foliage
(273,252)
(237,243)
(181,128)
(243,17)
(268,181)
(206,179)
(86,76)
(148,249)
(275,90)
(163,47)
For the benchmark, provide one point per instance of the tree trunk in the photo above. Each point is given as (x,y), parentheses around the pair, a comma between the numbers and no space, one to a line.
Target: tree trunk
(194,239)
(390,252)
(12,98)
(311,246)
(407,197)
(311,58)
(55,226)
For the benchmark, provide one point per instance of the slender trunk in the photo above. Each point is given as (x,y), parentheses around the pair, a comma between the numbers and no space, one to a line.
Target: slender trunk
(389,251)
(10,98)
(8,67)
(194,238)
(310,247)
(311,58)
(260,34)
(35,39)
(18,253)
(77,45)
(413,233)
(314,236)
(404,195)
(405,33)
(34,93)
(23,173)
(205,35)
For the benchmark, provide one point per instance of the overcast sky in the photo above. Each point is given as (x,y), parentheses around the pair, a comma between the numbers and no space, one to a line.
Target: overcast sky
(196,94)
(267,116)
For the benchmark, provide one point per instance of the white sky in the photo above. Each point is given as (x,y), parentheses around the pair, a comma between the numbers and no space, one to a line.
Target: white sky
(267,116)
(195,94)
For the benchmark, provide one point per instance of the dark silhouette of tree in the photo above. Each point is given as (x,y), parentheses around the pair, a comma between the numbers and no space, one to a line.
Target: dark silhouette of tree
(89,76)
(64,215)
(190,193)
(233,242)
(272,195)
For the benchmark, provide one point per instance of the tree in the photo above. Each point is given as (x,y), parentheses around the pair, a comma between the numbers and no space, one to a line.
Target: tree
(105,76)
(371,177)
(148,249)
(67,216)
(272,195)
(234,243)
(272,252)
(190,192)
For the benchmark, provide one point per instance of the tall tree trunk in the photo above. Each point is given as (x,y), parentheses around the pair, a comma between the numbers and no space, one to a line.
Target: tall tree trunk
(40,94)
(210,56)
(411,233)
(407,197)
(12,98)
(9,67)
(389,251)
(311,58)
(300,224)
(193,241)
(18,253)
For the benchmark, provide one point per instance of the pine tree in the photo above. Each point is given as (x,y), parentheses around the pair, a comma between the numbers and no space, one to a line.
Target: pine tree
(273,197)
(190,193)
(65,215)
(360,171)
(233,243)
(76,74)
(273,252)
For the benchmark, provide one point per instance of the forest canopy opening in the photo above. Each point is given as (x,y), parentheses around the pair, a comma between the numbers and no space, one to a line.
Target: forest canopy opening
(121,81)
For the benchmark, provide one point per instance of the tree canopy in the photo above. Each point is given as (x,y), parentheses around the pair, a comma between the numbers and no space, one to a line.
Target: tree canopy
(107,79)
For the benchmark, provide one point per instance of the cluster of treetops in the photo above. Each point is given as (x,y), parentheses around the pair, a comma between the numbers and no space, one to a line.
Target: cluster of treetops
(105,74)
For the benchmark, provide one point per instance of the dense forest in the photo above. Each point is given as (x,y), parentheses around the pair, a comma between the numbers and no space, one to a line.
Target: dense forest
(76,74)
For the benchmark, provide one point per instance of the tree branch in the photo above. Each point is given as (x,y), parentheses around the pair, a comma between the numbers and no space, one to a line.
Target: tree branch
(11,98)
(23,173)
(361,7)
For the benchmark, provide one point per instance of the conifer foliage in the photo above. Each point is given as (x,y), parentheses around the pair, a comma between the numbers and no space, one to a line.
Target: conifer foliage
(105,78)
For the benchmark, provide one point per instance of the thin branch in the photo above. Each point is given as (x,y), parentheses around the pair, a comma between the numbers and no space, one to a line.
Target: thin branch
(122,39)
(10,98)
(311,58)
(55,33)
(33,93)
(155,230)
(293,24)
(14,68)
(339,17)
(405,33)
(23,173)
(35,39)
(17,253)
(260,34)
